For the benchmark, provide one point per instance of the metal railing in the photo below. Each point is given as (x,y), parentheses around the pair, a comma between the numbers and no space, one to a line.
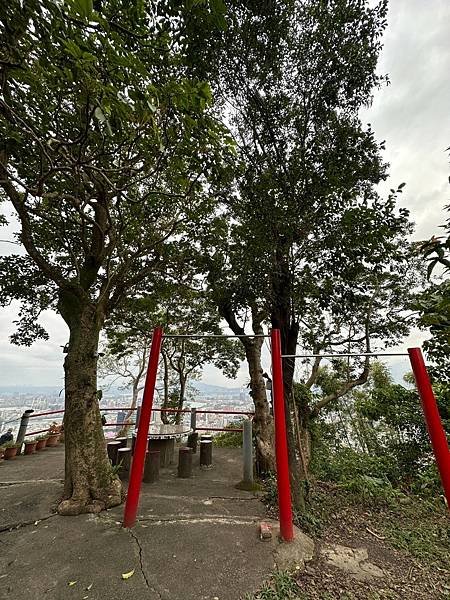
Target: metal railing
(27,415)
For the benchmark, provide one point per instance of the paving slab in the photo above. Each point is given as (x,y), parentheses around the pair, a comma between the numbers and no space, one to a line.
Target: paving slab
(24,503)
(45,464)
(195,538)
(43,561)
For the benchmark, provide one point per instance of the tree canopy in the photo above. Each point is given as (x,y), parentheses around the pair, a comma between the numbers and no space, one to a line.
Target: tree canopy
(108,141)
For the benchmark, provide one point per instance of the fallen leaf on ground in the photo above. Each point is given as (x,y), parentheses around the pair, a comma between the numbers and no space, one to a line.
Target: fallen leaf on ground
(128,575)
(71,583)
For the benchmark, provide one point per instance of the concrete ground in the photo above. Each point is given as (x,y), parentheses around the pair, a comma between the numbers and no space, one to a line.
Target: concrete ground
(195,538)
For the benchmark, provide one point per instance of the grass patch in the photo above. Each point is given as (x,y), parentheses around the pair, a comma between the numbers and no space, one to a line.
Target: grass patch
(421,528)
(249,487)
(281,586)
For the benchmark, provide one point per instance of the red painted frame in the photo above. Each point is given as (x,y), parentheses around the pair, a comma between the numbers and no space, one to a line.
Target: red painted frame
(140,448)
(281,448)
(435,428)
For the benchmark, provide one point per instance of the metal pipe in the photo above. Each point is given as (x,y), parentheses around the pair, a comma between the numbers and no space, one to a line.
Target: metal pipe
(217,429)
(194,336)
(224,412)
(433,420)
(194,419)
(23,427)
(169,410)
(50,412)
(137,466)
(36,432)
(247,449)
(281,448)
(344,355)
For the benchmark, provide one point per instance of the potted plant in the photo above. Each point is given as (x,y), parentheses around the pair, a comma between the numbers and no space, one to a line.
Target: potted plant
(30,446)
(53,435)
(10,450)
(41,442)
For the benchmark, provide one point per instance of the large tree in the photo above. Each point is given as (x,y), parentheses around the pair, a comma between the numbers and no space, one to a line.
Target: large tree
(304,213)
(434,302)
(106,148)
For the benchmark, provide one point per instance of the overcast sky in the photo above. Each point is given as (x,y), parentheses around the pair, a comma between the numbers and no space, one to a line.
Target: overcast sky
(412,114)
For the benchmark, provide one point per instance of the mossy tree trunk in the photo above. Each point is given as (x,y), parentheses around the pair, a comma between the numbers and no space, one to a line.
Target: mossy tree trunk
(263,425)
(90,485)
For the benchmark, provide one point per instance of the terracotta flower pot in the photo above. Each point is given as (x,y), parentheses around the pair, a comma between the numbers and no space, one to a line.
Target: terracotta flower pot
(52,440)
(30,447)
(40,444)
(10,452)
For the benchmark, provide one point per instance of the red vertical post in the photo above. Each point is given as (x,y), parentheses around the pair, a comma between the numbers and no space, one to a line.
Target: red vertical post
(281,448)
(140,448)
(433,420)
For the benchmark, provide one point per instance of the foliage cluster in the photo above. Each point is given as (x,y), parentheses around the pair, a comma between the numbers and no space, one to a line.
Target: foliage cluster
(375,440)
(434,303)
(230,439)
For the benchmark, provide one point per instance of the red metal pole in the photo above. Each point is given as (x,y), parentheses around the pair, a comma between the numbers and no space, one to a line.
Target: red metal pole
(433,420)
(140,448)
(281,449)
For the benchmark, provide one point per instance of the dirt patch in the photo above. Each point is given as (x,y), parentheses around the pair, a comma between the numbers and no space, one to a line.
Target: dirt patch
(363,534)
(397,551)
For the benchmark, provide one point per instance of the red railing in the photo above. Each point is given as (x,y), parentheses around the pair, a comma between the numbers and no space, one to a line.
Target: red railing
(165,410)
(218,429)
(44,414)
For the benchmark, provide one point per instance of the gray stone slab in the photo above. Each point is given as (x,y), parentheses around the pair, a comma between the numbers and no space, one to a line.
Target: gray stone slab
(197,538)
(27,502)
(45,464)
(41,561)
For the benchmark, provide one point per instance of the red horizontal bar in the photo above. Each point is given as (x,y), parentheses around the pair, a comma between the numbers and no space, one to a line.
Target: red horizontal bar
(223,412)
(172,410)
(216,429)
(35,432)
(51,412)
(117,408)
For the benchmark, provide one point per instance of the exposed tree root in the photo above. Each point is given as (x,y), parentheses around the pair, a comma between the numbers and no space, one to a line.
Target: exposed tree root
(111,496)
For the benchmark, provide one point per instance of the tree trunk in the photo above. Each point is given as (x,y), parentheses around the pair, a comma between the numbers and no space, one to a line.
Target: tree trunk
(263,420)
(165,404)
(132,412)
(90,485)
(179,414)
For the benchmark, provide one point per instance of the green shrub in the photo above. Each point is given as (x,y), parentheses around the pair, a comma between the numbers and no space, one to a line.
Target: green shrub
(270,497)
(230,439)
(345,464)
(427,482)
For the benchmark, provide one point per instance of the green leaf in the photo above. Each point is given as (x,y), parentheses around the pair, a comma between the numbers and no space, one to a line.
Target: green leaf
(83,7)
(99,114)
(431,266)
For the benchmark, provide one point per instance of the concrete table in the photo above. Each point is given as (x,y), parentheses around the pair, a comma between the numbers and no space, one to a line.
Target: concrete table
(162,437)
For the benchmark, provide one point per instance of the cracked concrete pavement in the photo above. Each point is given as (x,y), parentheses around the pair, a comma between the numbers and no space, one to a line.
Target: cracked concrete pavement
(195,538)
